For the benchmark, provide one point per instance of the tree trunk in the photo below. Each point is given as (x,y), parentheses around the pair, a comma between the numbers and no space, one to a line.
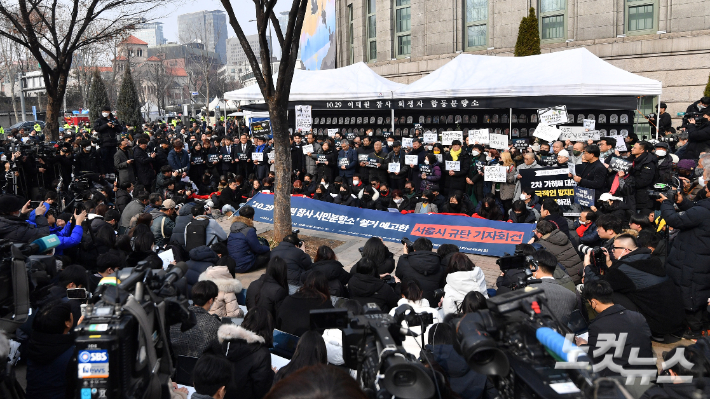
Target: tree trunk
(54,105)
(282,167)
(12,97)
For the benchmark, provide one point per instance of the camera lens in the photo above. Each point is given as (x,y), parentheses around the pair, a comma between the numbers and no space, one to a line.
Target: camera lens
(404,378)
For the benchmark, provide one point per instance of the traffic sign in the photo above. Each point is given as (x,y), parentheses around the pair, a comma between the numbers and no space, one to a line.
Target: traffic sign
(194,93)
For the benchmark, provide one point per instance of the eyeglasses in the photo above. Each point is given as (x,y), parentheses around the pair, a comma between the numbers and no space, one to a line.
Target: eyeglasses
(615,248)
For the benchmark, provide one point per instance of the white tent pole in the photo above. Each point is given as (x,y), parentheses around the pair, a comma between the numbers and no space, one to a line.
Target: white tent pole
(510,124)
(658,112)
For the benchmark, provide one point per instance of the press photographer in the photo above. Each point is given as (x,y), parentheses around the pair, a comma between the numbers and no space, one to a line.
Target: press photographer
(108,128)
(698,134)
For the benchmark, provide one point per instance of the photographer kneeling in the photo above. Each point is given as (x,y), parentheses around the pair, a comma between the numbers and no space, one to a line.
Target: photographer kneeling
(688,263)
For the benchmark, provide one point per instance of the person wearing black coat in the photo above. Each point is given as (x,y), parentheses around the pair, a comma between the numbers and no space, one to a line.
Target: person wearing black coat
(688,263)
(296,259)
(267,293)
(698,137)
(397,180)
(346,198)
(293,316)
(366,287)
(321,194)
(383,200)
(108,128)
(231,195)
(456,180)
(143,164)
(201,258)
(242,156)
(643,170)
(325,171)
(591,173)
(335,273)
(424,266)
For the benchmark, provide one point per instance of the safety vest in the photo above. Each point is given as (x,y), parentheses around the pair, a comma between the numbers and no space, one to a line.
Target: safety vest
(67,126)
(37,127)
(221,118)
(2,130)
(174,122)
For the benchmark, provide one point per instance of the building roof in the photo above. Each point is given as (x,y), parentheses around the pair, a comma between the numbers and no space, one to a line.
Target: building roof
(180,72)
(120,58)
(133,40)
(153,59)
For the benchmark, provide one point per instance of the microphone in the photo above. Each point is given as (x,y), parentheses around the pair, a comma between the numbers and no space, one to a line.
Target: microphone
(175,273)
(42,245)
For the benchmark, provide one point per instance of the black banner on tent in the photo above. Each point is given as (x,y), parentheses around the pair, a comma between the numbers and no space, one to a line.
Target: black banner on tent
(549,183)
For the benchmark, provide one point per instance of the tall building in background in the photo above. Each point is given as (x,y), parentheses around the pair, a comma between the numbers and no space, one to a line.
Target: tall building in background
(236,54)
(206,27)
(151,33)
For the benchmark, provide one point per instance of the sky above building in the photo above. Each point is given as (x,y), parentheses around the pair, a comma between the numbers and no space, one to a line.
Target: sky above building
(244,10)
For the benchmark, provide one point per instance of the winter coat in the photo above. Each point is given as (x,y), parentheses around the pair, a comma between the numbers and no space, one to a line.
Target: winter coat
(133,208)
(49,361)
(243,244)
(201,258)
(107,134)
(457,181)
(252,375)
(507,189)
(643,170)
(370,289)
(16,229)
(349,160)
(698,141)
(425,268)
(265,292)
(143,166)
(380,172)
(431,178)
(679,391)
(162,227)
(458,284)
(179,161)
(225,305)
(184,217)
(531,217)
(464,381)
(123,198)
(346,198)
(335,273)
(403,206)
(413,344)
(403,167)
(311,161)
(125,169)
(688,263)
(518,187)
(293,316)
(297,261)
(642,278)
(431,208)
(387,266)
(593,175)
(195,340)
(558,244)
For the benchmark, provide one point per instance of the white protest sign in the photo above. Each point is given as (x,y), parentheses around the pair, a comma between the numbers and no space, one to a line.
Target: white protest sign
(547,132)
(271,156)
(257,156)
(430,137)
(479,136)
(447,138)
(407,142)
(331,132)
(453,165)
(494,173)
(411,159)
(552,115)
(439,157)
(571,169)
(577,133)
(166,257)
(393,167)
(620,143)
(499,141)
(307,148)
(588,124)
(303,118)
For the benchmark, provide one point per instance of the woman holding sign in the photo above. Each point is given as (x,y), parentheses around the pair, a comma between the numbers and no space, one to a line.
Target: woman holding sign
(457,162)
(326,161)
(506,191)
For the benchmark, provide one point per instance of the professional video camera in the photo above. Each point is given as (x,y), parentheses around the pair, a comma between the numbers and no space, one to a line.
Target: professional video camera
(513,342)
(670,138)
(123,350)
(697,116)
(372,344)
(662,189)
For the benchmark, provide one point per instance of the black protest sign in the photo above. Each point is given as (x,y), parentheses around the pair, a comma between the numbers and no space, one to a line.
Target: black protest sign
(425,169)
(521,144)
(549,183)
(547,160)
(584,196)
(616,164)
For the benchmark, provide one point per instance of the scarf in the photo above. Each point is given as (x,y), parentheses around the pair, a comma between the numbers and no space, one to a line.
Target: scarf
(455,155)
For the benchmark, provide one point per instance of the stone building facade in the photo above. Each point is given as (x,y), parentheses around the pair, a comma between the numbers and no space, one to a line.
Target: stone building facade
(403,40)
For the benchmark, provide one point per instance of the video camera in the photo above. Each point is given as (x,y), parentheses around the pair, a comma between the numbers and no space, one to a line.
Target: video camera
(513,341)
(123,350)
(698,117)
(372,344)
(598,258)
(662,189)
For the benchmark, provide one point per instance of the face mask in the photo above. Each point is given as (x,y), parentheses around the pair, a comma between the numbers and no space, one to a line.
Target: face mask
(701,106)
(408,190)
(576,153)
(398,201)
(383,192)
(369,134)
(489,158)
(429,147)
(661,153)
(390,143)
(426,161)
(544,152)
(87,148)
(701,179)
(356,182)
(475,153)
(523,197)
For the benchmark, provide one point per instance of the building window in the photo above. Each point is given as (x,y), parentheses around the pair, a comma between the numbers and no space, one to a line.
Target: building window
(476,23)
(351,42)
(641,16)
(552,20)
(371,30)
(403,28)
(647,105)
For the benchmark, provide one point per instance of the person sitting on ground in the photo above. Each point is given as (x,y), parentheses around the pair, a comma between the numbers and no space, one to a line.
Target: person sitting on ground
(195,340)
(550,211)
(473,302)
(422,265)
(463,277)
(310,351)
(202,230)
(293,251)
(225,305)
(210,377)
(247,348)
(558,243)
(586,228)
(520,213)
(560,300)
(270,289)
(327,263)
(376,250)
(412,295)
(244,245)
(293,316)
(319,381)
(426,203)
(365,286)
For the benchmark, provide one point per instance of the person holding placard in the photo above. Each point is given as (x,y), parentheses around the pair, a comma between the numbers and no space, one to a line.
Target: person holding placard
(432,166)
(326,160)
(197,162)
(591,173)
(506,191)
(262,165)
(474,179)
(363,152)
(311,162)
(380,158)
(243,161)
(298,164)
(456,177)
(397,179)
(420,152)
(347,161)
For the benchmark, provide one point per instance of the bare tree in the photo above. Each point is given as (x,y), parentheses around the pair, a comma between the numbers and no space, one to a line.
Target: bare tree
(10,64)
(53,30)
(204,64)
(86,59)
(275,93)
(157,83)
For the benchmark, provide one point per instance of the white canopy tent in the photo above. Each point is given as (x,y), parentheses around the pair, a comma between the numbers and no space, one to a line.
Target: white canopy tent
(351,83)
(575,72)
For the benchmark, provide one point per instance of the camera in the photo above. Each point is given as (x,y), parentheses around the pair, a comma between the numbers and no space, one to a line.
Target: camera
(651,116)
(410,245)
(662,189)
(372,344)
(597,257)
(300,242)
(698,117)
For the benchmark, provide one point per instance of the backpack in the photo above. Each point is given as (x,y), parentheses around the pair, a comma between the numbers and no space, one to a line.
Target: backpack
(196,234)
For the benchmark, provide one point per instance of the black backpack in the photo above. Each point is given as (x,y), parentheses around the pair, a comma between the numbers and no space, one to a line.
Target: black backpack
(196,234)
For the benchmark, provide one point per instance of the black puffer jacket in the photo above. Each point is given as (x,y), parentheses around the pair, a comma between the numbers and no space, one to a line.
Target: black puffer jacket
(293,316)
(558,244)
(16,229)
(644,172)
(337,276)
(370,289)
(201,258)
(252,375)
(382,267)
(688,263)
(266,293)
(424,267)
(297,261)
